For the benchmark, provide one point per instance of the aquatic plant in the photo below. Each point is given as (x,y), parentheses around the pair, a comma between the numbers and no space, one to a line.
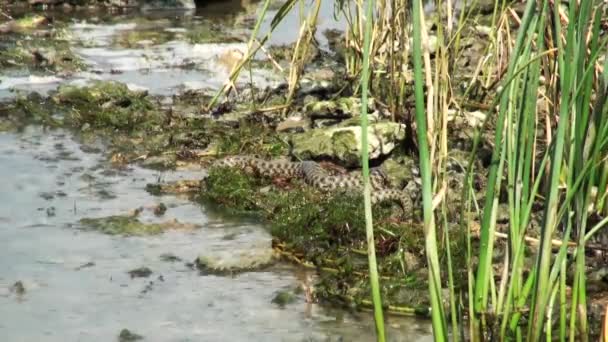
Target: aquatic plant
(509,290)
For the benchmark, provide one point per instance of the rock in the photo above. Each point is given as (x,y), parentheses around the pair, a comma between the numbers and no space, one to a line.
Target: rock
(472,119)
(283,298)
(483,30)
(293,124)
(400,172)
(128,336)
(342,108)
(232,119)
(131,226)
(412,261)
(431,44)
(160,162)
(23,24)
(168,4)
(124,3)
(160,209)
(230,59)
(255,256)
(141,272)
(322,74)
(344,143)
(18,288)
(44,2)
(168,257)
(476,118)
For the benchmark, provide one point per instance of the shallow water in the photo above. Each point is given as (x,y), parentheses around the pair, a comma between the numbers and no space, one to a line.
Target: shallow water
(76,283)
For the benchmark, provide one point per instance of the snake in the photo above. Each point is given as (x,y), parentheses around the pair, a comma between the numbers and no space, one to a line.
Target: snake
(316,176)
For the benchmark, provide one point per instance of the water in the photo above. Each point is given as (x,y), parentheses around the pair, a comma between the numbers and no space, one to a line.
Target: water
(76,283)
(49,183)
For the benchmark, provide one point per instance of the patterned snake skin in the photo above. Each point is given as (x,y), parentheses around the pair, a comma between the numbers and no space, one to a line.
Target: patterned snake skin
(314,175)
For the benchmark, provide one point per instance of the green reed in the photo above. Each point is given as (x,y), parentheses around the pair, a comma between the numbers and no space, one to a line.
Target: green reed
(562,170)
(568,168)
(369,227)
(438,317)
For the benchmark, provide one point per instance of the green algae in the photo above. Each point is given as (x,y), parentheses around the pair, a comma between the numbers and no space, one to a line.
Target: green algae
(140,272)
(40,53)
(231,189)
(206,33)
(29,109)
(107,104)
(283,298)
(250,138)
(126,335)
(121,225)
(139,38)
(340,107)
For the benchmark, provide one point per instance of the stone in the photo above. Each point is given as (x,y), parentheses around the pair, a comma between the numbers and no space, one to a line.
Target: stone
(293,124)
(123,3)
(341,108)
(322,74)
(168,4)
(255,256)
(161,162)
(400,172)
(412,261)
(127,336)
(430,44)
(344,143)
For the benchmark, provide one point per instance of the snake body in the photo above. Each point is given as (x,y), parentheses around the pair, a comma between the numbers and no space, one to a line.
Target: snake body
(314,175)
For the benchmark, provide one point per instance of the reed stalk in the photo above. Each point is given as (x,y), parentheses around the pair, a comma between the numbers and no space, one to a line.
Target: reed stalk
(440,330)
(369,226)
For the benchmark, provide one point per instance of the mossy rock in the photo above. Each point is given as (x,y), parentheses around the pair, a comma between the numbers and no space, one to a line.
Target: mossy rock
(254,257)
(400,171)
(284,297)
(129,226)
(37,53)
(28,109)
(107,104)
(231,188)
(344,107)
(128,336)
(132,39)
(344,143)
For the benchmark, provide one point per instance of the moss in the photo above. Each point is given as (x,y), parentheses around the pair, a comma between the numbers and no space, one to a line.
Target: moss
(140,272)
(121,225)
(168,257)
(207,33)
(51,53)
(107,104)
(250,138)
(28,109)
(343,143)
(232,189)
(344,106)
(329,230)
(132,39)
(127,336)
(283,298)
